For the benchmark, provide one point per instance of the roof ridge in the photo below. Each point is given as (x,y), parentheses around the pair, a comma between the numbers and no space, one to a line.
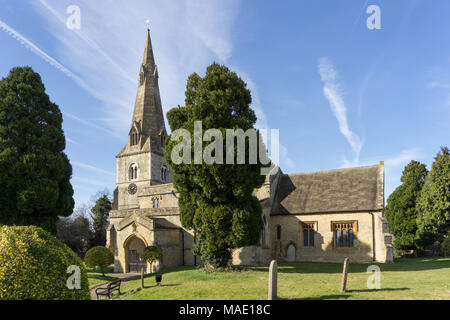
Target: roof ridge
(331,170)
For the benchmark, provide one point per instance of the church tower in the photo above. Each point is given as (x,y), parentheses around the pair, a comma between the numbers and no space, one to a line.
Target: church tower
(141,162)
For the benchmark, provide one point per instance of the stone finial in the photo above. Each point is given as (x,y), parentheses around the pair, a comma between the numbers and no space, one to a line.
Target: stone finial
(273,274)
(344,275)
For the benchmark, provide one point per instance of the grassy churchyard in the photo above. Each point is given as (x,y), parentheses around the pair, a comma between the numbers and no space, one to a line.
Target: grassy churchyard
(96,278)
(418,278)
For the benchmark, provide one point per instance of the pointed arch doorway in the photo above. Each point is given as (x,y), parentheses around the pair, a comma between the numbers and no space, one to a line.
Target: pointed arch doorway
(134,247)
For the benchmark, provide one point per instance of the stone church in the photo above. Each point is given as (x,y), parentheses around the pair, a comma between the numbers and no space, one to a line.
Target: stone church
(314,216)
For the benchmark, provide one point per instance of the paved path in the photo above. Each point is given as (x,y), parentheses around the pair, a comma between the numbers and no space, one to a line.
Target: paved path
(123,276)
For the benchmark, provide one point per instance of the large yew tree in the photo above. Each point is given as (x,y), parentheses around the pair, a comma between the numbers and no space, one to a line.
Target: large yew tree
(401,209)
(34,171)
(216,200)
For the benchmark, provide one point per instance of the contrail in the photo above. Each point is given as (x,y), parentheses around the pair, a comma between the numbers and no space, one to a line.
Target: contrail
(35,49)
(332,93)
(53,62)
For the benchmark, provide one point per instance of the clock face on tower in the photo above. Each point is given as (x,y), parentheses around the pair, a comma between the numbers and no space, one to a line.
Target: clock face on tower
(132,188)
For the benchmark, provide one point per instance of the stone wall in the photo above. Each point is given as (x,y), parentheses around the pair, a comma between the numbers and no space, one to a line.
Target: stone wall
(125,200)
(365,241)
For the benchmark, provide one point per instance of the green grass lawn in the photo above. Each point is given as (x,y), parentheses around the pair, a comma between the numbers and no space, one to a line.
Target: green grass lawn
(419,278)
(96,278)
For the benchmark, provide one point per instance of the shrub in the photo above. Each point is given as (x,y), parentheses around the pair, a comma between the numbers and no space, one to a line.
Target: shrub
(100,257)
(151,254)
(445,245)
(33,266)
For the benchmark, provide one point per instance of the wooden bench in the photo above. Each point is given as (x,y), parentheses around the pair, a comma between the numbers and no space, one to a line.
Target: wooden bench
(106,291)
(408,253)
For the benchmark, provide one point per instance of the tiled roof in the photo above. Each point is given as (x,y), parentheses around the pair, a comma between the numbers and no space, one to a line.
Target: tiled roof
(350,189)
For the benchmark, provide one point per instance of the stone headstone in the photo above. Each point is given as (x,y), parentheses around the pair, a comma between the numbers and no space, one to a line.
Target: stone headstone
(273,273)
(344,275)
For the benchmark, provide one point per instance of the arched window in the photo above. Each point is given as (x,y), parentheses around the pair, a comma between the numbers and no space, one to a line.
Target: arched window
(133,172)
(164,174)
(156,203)
(278,232)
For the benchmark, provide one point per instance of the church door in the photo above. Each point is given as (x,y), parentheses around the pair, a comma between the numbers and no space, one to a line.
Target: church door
(133,261)
(134,252)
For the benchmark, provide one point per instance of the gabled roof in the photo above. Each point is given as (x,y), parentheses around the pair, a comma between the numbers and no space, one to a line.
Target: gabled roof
(341,190)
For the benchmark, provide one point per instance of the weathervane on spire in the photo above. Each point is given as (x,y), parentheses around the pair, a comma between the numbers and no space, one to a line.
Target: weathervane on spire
(148,23)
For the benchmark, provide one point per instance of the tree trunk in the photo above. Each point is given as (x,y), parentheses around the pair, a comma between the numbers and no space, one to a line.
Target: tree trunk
(142,277)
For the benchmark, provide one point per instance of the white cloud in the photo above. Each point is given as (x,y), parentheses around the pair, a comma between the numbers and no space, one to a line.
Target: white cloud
(394,165)
(333,94)
(71,141)
(437,84)
(403,158)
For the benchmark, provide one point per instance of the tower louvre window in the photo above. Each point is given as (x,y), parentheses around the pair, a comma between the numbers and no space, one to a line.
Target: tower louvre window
(164,174)
(163,139)
(134,138)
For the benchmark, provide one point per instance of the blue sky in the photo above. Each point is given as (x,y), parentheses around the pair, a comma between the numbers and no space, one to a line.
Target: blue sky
(342,95)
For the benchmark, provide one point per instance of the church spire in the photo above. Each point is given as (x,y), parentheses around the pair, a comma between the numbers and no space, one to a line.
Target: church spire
(148,52)
(148,118)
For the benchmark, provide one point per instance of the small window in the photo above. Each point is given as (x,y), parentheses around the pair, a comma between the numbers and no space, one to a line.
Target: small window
(156,203)
(134,137)
(163,174)
(163,139)
(133,172)
(278,232)
(344,233)
(308,234)
(265,231)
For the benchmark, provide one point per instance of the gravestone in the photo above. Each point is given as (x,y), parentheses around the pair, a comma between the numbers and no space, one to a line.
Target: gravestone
(344,275)
(273,271)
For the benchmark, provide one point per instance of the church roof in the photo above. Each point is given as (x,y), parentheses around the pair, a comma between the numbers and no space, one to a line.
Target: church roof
(341,190)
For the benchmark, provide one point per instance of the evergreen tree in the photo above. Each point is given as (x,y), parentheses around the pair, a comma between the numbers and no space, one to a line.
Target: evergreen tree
(76,233)
(401,209)
(434,202)
(34,171)
(216,199)
(100,219)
